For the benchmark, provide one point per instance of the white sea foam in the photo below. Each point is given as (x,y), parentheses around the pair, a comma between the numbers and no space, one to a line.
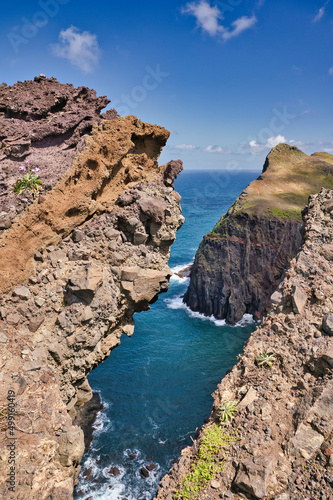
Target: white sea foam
(177,303)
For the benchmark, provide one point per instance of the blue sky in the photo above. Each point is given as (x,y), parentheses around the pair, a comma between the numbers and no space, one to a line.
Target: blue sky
(229,78)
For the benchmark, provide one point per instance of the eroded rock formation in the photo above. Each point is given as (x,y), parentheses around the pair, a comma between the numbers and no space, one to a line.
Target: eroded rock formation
(75,265)
(241,261)
(285,412)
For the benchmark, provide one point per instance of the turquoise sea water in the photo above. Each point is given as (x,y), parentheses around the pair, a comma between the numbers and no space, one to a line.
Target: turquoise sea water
(156,386)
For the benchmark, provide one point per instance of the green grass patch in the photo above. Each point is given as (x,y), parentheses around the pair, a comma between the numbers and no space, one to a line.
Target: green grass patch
(286,214)
(214,445)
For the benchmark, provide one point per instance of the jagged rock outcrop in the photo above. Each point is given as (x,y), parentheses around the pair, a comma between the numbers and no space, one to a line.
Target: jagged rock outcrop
(74,265)
(284,426)
(240,262)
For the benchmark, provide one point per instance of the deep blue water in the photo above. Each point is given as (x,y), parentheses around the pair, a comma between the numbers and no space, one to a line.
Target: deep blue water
(156,386)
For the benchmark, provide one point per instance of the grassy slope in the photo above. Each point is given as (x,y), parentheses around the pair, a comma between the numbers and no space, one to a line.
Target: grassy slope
(288,179)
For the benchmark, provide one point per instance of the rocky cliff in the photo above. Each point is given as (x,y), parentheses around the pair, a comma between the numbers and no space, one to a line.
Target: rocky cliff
(278,441)
(75,264)
(241,261)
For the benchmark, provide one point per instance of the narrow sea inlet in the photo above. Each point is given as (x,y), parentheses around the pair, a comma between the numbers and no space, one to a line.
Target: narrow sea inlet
(156,386)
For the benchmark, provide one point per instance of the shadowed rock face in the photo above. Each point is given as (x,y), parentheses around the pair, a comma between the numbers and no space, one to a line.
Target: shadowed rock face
(240,262)
(75,265)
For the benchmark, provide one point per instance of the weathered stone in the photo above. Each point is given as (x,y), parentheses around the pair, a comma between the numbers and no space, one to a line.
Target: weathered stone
(144,472)
(129,273)
(152,207)
(3,338)
(276,298)
(32,365)
(328,356)
(35,323)
(216,485)
(85,281)
(13,319)
(87,314)
(114,471)
(77,235)
(328,324)
(22,292)
(5,222)
(140,238)
(299,299)
(305,443)
(71,447)
(249,398)
(254,474)
(39,301)
(55,349)
(128,330)
(112,234)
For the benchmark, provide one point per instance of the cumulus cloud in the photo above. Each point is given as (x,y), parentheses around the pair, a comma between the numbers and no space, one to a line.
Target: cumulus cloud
(257,147)
(80,48)
(320,13)
(209,19)
(330,71)
(242,24)
(185,147)
(215,149)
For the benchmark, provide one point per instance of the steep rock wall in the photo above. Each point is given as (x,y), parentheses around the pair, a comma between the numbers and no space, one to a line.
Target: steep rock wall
(282,446)
(75,265)
(241,261)
(236,273)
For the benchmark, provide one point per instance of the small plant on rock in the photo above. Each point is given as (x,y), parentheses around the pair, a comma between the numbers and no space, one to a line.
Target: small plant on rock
(266,359)
(227,411)
(29,181)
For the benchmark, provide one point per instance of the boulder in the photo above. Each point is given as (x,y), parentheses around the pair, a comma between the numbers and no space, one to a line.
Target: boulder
(299,299)
(254,474)
(35,323)
(84,281)
(328,324)
(152,207)
(305,443)
(22,292)
(71,447)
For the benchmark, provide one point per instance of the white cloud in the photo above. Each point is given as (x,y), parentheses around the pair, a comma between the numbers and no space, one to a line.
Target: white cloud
(185,147)
(80,48)
(257,147)
(330,71)
(242,24)
(209,20)
(215,149)
(321,12)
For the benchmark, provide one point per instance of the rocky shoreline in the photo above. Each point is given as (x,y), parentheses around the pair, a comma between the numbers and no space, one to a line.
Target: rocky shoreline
(240,263)
(284,423)
(75,265)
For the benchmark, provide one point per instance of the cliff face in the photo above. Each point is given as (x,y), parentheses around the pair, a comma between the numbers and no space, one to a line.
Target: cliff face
(75,265)
(279,445)
(240,262)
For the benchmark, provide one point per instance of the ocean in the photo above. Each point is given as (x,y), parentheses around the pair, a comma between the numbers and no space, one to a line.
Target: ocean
(156,386)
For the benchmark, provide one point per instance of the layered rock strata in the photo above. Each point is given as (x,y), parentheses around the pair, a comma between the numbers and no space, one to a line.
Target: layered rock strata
(241,261)
(285,411)
(75,265)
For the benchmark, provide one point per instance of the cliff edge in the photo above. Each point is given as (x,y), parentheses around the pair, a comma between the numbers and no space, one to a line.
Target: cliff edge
(270,434)
(241,261)
(75,264)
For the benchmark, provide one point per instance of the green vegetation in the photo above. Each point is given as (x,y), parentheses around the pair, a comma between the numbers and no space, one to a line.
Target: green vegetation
(29,181)
(214,445)
(227,411)
(266,359)
(286,214)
